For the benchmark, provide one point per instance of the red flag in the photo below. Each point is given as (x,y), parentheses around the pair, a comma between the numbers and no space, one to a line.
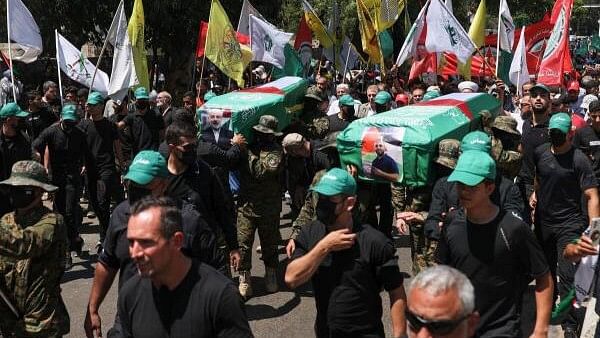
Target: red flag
(304,35)
(242,38)
(557,58)
(428,64)
(201,39)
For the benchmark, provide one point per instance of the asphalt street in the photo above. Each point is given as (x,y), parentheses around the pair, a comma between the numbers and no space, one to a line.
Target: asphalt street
(286,313)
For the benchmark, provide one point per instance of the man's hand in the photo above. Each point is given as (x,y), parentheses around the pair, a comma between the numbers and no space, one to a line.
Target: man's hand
(583,247)
(402,226)
(339,240)
(234,259)
(532,201)
(411,217)
(290,247)
(539,334)
(92,325)
(352,170)
(238,139)
(376,172)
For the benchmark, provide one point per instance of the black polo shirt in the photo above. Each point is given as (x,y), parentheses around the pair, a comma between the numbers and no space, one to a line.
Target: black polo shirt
(199,241)
(125,138)
(38,121)
(386,164)
(101,136)
(588,141)
(145,130)
(500,258)
(12,150)
(531,138)
(348,282)
(205,304)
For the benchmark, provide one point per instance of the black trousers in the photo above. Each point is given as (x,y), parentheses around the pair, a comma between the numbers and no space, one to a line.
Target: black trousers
(66,203)
(101,189)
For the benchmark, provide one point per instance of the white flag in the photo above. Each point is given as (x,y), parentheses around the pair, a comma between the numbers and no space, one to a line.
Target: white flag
(244,23)
(445,34)
(518,73)
(123,74)
(409,48)
(506,28)
(449,6)
(24,31)
(268,42)
(78,68)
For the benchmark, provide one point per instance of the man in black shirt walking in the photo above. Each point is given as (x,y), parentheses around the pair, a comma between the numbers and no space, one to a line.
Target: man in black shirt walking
(173,295)
(587,139)
(496,250)
(146,125)
(348,264)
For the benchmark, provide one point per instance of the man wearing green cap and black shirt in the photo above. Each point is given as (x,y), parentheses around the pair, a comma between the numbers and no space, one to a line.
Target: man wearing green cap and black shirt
(348,264)
(103,140)
(341,120)
(147,175)
(383,102)
(259,203)
(14,146)
(33,245)
(146,125)
(69,154)
(496,250)
(564,175)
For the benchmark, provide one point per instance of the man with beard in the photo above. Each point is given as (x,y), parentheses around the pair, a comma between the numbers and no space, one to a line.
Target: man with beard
(259,203)
(217,133)
(147,176)
(564,175)
(587,139)
(348,264)
(383,102)
(145,125)
(368,108)
(535,133)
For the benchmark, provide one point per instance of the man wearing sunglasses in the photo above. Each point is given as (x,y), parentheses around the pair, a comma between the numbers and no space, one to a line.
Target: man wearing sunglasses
(496,250)
(441,303)
(348,264)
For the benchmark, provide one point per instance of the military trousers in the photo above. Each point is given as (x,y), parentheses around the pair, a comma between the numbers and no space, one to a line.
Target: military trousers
(268,233)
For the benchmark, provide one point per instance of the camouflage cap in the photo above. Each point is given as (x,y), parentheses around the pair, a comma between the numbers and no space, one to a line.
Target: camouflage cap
(507,124)
(292,141)
(314,92)
(449,150)
(29,173)
(267,124)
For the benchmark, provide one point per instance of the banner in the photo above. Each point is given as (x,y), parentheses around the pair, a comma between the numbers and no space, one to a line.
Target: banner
(244,22)
(445,34)
(123,75)
(519,74)
(556,59)
(24,31)
(268,42)
(316,25)
(78,68)
(303,41)
(138,44)
(368,34)
(477,35)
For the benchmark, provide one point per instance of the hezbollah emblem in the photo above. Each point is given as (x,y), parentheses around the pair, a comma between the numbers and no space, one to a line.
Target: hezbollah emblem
(452,34)
(268,43)
(231,47)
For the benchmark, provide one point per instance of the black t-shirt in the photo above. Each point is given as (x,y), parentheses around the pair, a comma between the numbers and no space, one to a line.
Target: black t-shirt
(205,304)
(348,282)
(336,123)
(68,151)
(40,120)
(562,180)
(12,150)
(200,241)
(145,130)
(588,141)
(101,136)
(385,164)
(532,137)
(125,138)
(499,258)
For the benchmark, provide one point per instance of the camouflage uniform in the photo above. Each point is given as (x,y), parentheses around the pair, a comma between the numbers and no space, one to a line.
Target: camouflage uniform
(259,202)
(416,200)
(316,122)
(33,249)
(508,161)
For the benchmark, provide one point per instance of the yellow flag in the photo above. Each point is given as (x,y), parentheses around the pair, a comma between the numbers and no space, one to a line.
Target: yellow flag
(384,12)
(222,47)
(368,34)
(477,34)
(135,29)
(316,25)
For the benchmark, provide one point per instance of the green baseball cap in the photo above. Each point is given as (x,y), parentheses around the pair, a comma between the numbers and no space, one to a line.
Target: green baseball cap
(382,97)
(539,87)
(335,182)
(476,140)
(209,95)
(95,98)
(69,113)
(12,109)
(432,94)
(141,94)
(473,167)
(346,100)
(146,166)
(560,121)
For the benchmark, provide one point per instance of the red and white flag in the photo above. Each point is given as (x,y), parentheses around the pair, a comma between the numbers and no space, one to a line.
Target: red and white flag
(557,58)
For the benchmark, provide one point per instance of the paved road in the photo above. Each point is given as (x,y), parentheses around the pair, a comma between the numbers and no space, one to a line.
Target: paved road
(283,314)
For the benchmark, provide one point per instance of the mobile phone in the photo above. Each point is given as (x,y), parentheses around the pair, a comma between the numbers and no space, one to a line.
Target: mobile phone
(594,232)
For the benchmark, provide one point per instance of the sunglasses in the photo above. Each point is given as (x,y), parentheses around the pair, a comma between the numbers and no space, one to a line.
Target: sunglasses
(438,327)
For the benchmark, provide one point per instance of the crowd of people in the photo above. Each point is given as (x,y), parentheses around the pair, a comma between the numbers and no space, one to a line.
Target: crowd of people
(179,203)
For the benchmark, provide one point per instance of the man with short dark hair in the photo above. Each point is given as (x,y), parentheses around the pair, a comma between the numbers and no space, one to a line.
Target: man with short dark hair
(496,250)
(40,117)
(587,139)
(173,295)
(189,101)
(348,264)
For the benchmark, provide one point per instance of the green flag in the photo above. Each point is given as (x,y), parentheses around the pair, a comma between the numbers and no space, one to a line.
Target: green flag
(293,64)
(595,43)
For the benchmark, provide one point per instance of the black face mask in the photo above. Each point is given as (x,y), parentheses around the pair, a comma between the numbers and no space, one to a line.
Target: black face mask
(142,105)
(325,211)
(22,197)
(136,193)
(188,157)
(68,126)
(22,124)
(557,138)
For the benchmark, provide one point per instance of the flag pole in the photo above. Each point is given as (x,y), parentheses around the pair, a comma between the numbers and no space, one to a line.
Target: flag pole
(519,83)
(98,62)
(498,42)
(346,65)
(60,89)
(12,65)
(204,56)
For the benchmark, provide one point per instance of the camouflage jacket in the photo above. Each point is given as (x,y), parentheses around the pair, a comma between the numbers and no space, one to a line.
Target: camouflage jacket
(33,250)
(411,199)
(508,162)
(260,181)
